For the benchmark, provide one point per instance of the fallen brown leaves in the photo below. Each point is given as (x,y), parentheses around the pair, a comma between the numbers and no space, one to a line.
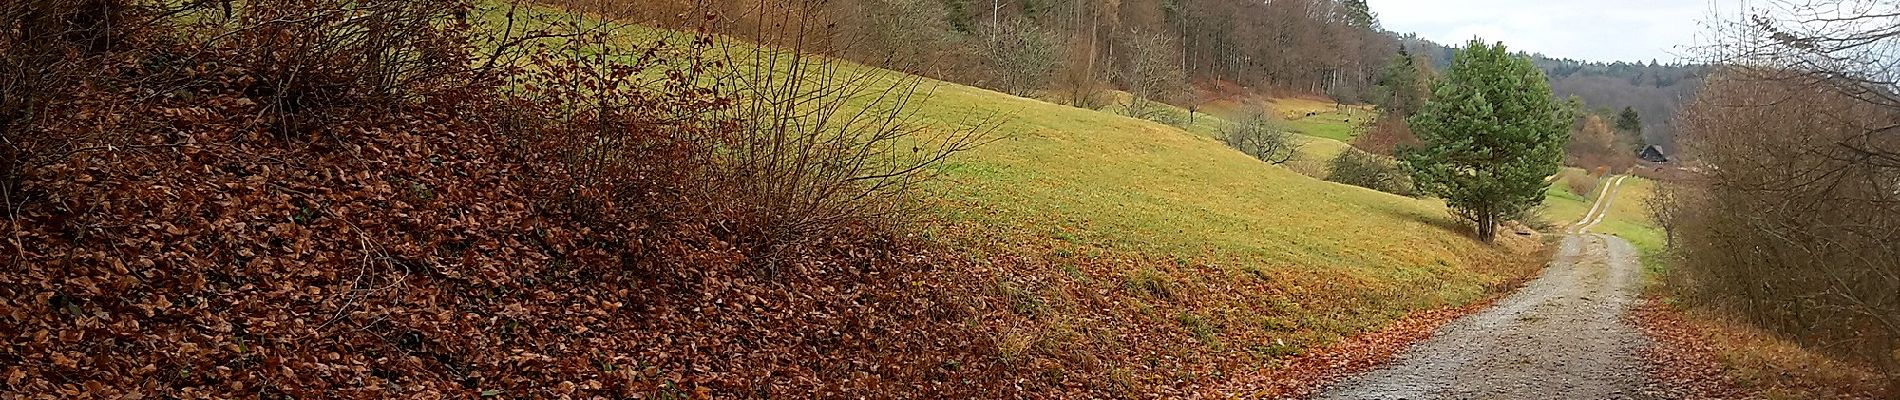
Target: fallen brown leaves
(1696,356)
(1680,357)
(200,248)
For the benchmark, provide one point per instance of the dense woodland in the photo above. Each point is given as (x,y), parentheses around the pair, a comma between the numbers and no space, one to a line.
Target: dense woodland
(1310,46)
(1074,50)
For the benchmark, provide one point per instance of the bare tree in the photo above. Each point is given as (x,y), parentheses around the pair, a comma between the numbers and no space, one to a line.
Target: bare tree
(1260,136)
(1151,74)
(1022,55)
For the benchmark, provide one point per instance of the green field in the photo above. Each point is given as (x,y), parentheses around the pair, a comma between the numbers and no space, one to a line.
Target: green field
(1629,219)
(1107,181)
(1562,206)
(1326,120)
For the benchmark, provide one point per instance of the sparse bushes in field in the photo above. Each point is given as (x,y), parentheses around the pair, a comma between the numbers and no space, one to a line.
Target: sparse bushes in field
(1260,136)
(1371,171)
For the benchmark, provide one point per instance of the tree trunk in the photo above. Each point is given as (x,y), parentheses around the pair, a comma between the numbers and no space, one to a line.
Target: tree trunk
(1488,228)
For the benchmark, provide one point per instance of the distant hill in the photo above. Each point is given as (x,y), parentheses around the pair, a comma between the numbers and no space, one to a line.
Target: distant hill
(1654,89)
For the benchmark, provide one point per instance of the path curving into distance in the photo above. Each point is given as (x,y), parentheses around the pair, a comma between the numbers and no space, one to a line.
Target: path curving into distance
(1561,336)
(1600,208)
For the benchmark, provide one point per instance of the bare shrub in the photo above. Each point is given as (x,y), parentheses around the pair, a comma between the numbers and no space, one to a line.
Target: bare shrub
(610,149)
(1262,137)
(1386,137)
(1152,74)
(47,48)
(322,58)
(1022,56)
(1794,232)
(1582,184)
(1792,222)
(1080,78)
(822,143)
(1359,168)
(766,147)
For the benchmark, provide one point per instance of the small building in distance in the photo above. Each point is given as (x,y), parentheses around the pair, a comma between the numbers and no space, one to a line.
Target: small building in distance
(1654,154)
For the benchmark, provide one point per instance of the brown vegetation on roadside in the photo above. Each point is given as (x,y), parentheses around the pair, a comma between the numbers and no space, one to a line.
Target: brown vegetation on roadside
(1793,233)
(1594,145)
(349,199)
(1790,221)
(1702,355)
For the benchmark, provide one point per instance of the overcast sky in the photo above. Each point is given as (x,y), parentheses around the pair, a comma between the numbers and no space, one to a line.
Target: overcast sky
(1596,30)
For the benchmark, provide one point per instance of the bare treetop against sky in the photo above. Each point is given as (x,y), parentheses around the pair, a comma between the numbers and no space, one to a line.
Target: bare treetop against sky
(1595,30)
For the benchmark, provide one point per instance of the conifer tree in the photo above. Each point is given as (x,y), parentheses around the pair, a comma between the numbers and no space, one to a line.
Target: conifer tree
(1492,132)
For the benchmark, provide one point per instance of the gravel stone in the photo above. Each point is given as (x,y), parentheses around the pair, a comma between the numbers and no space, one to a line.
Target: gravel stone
(1561,336)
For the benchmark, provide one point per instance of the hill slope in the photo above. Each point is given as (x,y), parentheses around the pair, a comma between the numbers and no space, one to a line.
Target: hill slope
(1168,255)
(1099,242)
(1117,254)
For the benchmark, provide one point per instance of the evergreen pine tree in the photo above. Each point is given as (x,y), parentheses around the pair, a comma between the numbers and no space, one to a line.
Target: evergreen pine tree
(1629,125)
(1492,133)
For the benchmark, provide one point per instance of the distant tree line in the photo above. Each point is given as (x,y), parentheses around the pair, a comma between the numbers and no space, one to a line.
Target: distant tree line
(1650,88)
(1073,50)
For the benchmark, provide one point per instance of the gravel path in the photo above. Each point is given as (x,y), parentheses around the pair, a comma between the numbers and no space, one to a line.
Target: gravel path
(1562,336)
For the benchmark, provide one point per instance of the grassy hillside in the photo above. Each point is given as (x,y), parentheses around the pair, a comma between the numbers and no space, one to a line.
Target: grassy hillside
(1168,229)
(1118,254)
(1104,180)
(1628,217)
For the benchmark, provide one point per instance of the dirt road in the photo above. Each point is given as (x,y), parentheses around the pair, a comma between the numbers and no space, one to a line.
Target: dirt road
(1562,336)
(1600,208)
